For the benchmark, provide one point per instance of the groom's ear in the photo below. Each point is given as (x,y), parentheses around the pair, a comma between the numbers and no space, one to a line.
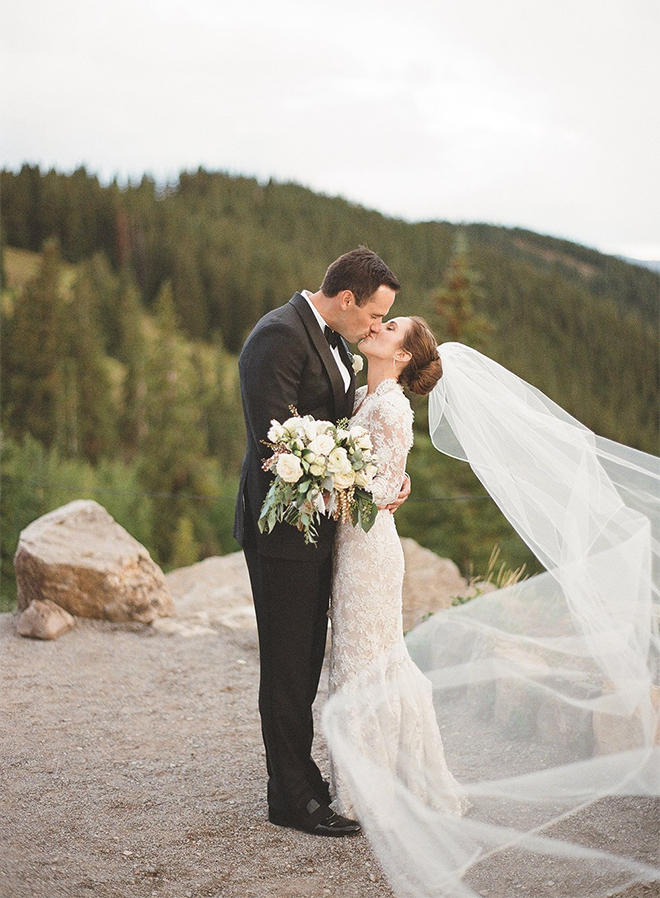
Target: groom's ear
(346,298)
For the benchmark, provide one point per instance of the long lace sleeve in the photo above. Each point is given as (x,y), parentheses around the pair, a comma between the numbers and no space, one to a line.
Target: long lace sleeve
(390,426)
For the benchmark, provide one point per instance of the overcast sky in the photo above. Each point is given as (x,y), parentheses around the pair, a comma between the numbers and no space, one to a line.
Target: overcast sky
(516,112)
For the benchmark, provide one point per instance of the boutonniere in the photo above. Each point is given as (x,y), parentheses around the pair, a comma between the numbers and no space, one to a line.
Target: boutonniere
(358,364)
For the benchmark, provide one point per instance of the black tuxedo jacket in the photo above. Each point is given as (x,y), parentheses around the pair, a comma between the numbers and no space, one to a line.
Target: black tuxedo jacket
(285,361)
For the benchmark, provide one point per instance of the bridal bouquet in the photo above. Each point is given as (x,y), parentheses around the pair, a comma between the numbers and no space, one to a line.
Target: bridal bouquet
(320,468)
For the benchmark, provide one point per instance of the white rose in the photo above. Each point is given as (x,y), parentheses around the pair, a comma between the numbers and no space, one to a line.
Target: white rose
(323,444)
(317,469)
(343,481)
(358,363)
(338,462)
(343,434)
(289,468)
(276,432)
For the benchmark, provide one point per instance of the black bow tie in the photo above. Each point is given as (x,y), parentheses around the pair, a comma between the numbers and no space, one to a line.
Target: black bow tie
(332,337)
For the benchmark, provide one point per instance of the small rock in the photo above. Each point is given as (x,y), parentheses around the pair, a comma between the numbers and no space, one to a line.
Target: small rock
(44,620)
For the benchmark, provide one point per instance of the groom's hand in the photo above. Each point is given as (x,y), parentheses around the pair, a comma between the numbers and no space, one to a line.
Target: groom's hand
(401,498)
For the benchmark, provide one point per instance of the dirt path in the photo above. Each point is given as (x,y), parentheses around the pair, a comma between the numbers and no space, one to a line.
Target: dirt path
(132,766)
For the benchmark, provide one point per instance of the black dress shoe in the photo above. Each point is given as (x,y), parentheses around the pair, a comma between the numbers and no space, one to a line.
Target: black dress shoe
(332,825)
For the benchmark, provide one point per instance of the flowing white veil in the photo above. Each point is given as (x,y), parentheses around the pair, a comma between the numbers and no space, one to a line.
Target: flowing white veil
(547,692)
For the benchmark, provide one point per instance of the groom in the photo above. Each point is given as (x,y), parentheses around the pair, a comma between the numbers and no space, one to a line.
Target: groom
(298,355)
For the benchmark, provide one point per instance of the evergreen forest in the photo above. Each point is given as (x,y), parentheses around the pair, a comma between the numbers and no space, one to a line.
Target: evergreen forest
(124,307)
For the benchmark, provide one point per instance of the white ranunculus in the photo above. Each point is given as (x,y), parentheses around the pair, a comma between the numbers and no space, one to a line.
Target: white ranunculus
(344,480)
(338,461)
(317,470)
(358,363)
(323,444)
(289,468)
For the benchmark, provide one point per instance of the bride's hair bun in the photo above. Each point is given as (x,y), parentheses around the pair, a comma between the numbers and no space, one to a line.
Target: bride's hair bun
(424,369)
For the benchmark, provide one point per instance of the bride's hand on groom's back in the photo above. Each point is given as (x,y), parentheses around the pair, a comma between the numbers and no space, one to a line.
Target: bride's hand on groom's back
(400,499)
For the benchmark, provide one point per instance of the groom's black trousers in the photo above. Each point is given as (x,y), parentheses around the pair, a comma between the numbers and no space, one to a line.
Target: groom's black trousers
(291,604)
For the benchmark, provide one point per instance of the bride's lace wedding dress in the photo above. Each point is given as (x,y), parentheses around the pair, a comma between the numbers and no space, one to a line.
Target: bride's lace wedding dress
(547,691)
(380,700)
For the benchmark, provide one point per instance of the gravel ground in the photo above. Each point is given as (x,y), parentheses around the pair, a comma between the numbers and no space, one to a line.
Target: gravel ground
(133,766)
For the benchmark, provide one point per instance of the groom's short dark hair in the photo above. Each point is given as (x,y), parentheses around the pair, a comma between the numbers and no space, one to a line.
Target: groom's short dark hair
(362,272)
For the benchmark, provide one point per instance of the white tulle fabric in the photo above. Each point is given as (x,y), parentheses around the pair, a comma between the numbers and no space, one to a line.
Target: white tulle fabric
(546,693)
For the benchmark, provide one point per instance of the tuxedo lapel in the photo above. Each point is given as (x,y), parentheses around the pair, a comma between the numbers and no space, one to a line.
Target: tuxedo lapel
(321,345)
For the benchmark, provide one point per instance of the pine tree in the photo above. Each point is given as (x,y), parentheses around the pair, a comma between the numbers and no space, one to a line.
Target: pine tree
(90,416)
(131,351)
(173,452)
(455,300)
(32,353)
(188,289)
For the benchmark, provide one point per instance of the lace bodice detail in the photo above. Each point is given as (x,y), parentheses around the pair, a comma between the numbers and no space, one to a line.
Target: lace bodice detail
(387,415)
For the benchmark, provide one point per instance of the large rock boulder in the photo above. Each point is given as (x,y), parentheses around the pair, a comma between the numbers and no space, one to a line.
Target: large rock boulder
(217,590)
(79,558)
(429,584)
(213,591)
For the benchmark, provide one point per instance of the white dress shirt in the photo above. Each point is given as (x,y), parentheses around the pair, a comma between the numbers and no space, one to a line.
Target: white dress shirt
(343,370)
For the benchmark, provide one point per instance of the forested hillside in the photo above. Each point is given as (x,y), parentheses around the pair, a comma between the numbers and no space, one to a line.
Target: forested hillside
(124,308)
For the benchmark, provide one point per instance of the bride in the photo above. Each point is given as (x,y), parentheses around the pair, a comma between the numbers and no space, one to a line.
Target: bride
(545,693)
(366,599)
